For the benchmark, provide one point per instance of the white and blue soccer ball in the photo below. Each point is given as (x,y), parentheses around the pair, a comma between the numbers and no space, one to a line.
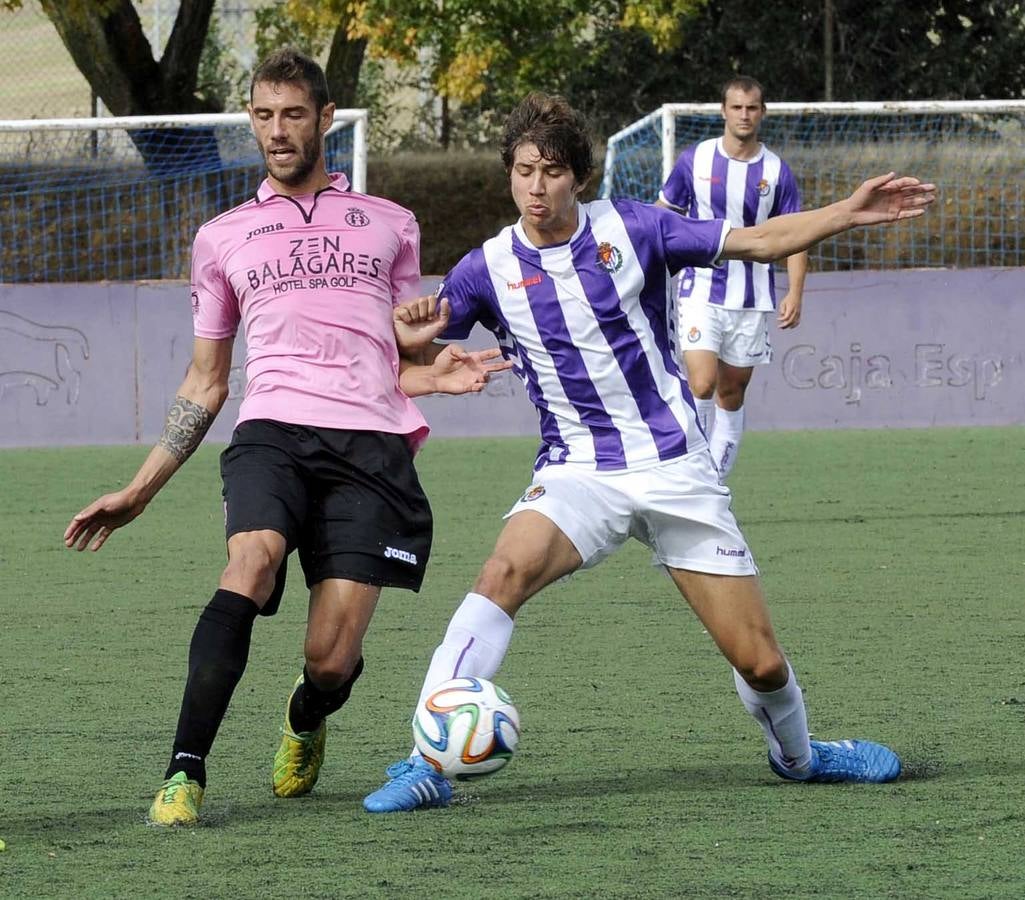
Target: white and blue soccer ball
(466,728)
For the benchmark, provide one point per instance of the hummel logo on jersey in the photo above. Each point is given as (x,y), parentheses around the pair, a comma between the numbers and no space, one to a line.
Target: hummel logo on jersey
(403,555)
(730,551)
(711,179)
(357,218)
(527,282)
(265,229)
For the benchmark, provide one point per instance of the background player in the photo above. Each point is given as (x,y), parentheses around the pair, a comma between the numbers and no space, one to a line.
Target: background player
(723,312)
(322,457)
(576,295)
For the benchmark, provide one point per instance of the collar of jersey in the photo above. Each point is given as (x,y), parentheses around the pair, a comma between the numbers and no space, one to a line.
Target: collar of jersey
(753,159)
(582,221)
(338,183)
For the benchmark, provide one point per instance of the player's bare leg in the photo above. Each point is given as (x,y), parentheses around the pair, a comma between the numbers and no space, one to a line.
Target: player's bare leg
(340,613)
(702,368)
(733,610)
(531,553)
(724,443)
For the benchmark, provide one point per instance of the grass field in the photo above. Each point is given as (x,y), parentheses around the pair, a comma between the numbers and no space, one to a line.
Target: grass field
(894,566)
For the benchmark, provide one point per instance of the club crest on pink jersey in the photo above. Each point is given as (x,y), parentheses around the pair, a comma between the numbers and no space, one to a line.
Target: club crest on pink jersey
(357,218)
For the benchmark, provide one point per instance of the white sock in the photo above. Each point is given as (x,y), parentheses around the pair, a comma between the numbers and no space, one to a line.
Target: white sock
(475,643)
(706,414)
(725,439)
(783,718)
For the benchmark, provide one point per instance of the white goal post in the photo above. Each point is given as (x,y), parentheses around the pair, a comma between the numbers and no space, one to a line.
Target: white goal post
(970,149)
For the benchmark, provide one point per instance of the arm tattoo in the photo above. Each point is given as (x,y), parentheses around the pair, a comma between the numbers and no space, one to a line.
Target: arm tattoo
(186,424)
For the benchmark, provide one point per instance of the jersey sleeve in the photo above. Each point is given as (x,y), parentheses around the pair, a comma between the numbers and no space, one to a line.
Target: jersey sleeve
(678,191)
(215,309)
(788,197)
(691,242)
(405,272)
(467,287)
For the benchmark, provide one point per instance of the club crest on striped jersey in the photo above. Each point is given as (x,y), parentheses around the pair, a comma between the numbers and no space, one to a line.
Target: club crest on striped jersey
(763,188)
(533,492)
(357,218)
(609,257)
(694,335)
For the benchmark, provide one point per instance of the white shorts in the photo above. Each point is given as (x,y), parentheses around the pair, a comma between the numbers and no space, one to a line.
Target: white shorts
(677,508)
(739,337)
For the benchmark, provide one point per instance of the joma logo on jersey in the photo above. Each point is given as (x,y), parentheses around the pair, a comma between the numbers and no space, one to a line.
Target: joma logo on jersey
(609,258)
(404,555)
(266,229)
(526,283)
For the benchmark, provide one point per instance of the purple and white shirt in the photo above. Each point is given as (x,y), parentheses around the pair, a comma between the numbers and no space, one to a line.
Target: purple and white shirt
(707,184)
(590,327)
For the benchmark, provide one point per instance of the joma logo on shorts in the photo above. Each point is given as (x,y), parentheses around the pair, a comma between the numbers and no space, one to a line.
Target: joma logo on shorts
(404,555)
(732,551)
(266,229)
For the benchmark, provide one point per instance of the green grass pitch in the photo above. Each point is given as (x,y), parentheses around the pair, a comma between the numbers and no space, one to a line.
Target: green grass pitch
(894,566)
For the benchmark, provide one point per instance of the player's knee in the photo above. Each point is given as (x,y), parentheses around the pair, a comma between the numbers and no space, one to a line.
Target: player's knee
(730,396)
(502,577)
(701,387)
(763,671)
(251,572)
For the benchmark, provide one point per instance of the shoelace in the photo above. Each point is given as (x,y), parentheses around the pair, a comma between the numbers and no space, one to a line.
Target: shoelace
(171,788)
(403,772)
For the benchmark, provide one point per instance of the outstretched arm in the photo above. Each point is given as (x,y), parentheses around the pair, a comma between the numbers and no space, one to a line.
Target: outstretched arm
(878,201)
(453,371)
(199,399)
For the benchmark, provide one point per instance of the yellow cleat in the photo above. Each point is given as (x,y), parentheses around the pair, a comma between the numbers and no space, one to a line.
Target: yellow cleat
(299,758)
(177,802)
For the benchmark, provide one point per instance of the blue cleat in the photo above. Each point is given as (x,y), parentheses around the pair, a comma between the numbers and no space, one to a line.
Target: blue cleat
(413,784)
(861,762)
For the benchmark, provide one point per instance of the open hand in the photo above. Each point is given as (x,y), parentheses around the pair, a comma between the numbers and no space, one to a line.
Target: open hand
(887,198)
(458,371)
(99,519)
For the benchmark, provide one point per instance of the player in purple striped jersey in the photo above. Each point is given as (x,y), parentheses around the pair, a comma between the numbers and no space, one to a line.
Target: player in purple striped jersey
(578,296)
(723,312)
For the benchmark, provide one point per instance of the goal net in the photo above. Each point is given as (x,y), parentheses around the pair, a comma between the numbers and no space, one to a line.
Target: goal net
(970,149)
(120,199)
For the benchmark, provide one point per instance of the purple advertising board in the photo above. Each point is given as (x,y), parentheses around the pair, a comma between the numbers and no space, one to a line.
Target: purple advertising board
(99,363)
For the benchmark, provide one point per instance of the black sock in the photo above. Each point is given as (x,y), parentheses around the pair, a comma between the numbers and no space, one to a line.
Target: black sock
(217,659)
(310,705)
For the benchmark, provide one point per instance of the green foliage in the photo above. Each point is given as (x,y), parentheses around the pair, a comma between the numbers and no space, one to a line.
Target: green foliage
(221,80)
(891,564)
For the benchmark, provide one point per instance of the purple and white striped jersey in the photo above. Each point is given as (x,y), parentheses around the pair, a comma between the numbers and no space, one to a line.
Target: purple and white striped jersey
(590,327)
(707,184)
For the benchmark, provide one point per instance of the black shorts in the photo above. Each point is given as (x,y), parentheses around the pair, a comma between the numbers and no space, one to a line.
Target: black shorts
(349,501)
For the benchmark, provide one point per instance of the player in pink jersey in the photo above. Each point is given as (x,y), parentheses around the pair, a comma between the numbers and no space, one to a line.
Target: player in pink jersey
(321,460)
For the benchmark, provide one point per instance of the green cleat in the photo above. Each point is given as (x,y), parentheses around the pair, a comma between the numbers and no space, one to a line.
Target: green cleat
(299,758)
(177,802)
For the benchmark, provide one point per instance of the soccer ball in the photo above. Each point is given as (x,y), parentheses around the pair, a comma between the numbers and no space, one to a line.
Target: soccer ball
(466,727)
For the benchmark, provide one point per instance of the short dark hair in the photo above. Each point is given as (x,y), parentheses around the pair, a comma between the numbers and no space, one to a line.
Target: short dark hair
(558,131)
(743,83)
(291,66)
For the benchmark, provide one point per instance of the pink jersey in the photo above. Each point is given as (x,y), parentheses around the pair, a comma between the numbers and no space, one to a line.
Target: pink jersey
(313,280)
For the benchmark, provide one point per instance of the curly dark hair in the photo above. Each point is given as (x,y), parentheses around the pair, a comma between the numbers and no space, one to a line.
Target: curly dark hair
(558,131)
(291,66)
